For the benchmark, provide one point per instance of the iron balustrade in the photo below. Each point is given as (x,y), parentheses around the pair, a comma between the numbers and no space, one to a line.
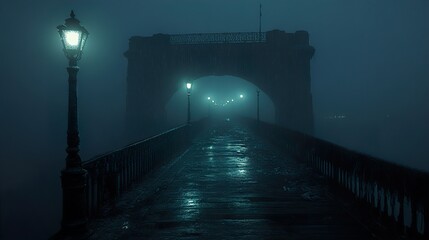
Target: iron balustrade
(399,195)
(111,174)
(213,38)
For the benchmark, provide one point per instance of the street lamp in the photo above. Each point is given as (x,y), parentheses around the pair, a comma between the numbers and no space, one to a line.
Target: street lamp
(73,177)
(241,96)
(73,37)
(188,89)
(208,98)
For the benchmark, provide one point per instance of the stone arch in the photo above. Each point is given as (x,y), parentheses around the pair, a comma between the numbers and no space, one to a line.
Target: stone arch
(228,87)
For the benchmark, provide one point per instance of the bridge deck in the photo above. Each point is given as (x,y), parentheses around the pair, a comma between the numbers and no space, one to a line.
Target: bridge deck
(231,185)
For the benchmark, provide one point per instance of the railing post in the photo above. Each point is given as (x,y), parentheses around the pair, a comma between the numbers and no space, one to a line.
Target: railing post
(426,220)
(413,227)
(101,179)
(401,223)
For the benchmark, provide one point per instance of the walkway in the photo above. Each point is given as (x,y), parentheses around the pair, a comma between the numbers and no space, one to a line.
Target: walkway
(230,185)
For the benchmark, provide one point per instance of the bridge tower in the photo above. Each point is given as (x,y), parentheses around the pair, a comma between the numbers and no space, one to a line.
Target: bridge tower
(277,62)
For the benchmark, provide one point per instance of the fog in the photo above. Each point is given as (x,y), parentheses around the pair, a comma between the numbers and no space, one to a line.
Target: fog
(230,97)
(369,83)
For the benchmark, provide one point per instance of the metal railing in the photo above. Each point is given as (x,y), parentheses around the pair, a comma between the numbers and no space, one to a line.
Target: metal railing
(111,174)
(399,195)
(213,38)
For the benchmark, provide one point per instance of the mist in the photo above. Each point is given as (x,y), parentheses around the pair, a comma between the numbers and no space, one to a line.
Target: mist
(369,76)
(230,97)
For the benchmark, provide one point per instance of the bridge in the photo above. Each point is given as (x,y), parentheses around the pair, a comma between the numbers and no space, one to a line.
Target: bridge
(241,178)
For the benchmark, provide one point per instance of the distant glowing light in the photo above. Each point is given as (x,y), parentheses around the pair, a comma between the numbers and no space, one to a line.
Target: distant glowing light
(232,100)
(227,101)
(208,98)
(241,96)
(72,38)
(188,85)
(213,101)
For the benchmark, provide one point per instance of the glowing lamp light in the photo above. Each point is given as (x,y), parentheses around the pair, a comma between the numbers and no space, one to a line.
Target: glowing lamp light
(73,37)
(189,87)
(208,98)
(241,96)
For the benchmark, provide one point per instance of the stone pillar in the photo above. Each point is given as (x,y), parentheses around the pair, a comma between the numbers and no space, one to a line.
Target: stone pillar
(293,99)
(145,86)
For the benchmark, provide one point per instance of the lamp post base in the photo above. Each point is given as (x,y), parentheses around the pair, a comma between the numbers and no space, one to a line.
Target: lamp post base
(75,221)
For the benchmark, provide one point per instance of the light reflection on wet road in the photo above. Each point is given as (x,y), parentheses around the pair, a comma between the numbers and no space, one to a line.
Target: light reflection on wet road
(230,185)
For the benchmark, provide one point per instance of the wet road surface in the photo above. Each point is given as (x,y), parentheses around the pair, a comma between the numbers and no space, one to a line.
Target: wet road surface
(230,185)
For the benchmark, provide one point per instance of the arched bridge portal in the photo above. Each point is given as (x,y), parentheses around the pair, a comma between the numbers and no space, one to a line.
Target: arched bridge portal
(275,61)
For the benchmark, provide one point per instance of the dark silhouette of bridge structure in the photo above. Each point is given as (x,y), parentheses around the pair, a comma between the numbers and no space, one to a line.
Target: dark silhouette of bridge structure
(243,178)
(276,62)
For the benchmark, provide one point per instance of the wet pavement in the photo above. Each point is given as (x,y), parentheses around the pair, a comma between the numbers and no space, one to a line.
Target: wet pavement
(230,185)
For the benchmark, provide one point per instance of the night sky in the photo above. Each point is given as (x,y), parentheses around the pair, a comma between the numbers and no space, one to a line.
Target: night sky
(371,66)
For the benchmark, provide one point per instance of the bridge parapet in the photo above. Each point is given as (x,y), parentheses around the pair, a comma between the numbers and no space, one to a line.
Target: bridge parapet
(111,174)
(213,38)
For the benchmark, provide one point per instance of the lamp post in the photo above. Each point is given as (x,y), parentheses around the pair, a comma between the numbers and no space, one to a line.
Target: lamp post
(188,89)
(73,177)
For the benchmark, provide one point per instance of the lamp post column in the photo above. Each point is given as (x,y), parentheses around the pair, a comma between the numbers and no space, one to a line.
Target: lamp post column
(73,177)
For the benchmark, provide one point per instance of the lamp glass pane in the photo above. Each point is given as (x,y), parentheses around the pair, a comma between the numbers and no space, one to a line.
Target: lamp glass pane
(84,37)
(188,85)
(72,39)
